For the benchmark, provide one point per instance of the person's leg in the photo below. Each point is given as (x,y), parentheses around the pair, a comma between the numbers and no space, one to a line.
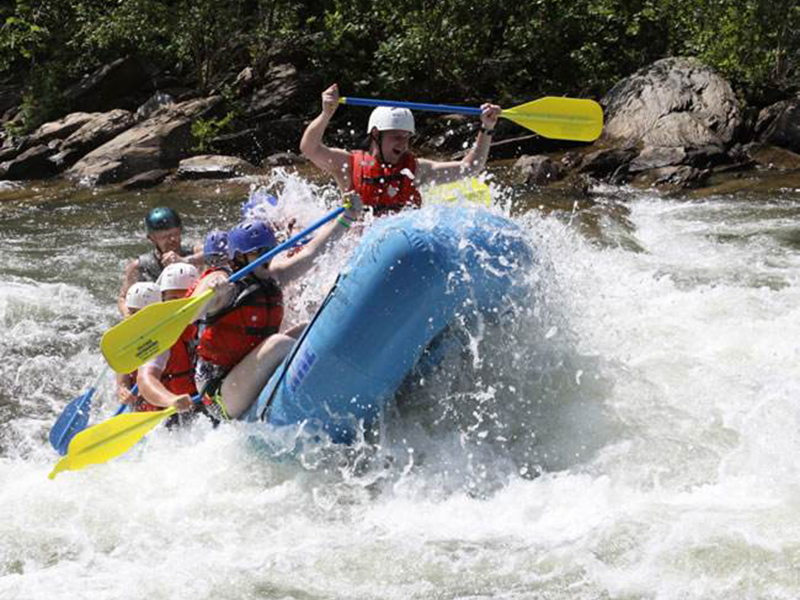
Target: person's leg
(243,384)
(295,330)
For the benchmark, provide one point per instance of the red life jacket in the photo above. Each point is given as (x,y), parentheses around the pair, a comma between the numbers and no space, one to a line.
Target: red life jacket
(229,335)
(385,187)
(178,374)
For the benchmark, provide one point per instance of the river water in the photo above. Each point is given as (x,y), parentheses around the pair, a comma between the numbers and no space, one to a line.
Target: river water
(632,434)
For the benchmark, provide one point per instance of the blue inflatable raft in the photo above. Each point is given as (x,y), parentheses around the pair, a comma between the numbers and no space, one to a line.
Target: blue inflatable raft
(410,276)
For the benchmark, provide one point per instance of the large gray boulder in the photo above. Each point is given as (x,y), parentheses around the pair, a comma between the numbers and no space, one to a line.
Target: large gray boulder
(211,166)
(95,133)
(34,163)
(98,131)
(274,93)
(145,180)
(272,105)
(108,87)
(283,159)
(779,124)
(45,135)
(9,153)
(57,130)
(773,157)
(607,162)
(539,169)
(673,102)
(656,157)
(254,144)
(159,142)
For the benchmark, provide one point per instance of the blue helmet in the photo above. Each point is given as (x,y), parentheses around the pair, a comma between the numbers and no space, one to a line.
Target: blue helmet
(248,236)
(216,244)
(161,217)
(256,199)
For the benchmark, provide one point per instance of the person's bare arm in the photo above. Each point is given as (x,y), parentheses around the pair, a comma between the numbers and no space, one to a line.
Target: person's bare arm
(334,161)
(196,259)
(436,172)
(157,394)
(288,268)
(124,395)
(217,280)
(129,277)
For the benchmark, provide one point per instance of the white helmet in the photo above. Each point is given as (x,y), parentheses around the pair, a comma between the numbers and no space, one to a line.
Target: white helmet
(177,276)
(385,117)
(142,293)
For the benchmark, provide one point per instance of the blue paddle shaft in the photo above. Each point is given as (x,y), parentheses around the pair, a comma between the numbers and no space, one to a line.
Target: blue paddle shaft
(74,417)
(440,108)
(292,241)
(123,407)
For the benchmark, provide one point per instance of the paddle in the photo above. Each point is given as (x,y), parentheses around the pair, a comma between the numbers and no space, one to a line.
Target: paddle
(471,190)
(110,439)
(157,327)
(551,117)
(75,417)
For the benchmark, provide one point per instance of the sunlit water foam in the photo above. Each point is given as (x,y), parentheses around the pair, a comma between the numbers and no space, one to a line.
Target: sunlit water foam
(685,489)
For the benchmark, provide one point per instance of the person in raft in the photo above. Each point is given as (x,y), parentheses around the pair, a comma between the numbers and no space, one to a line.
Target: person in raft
(215,250)
(164,229)
(388,176)
(140,294)
(240,343)
(168,379)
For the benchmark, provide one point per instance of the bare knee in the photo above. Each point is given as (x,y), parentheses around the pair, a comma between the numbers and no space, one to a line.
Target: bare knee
(277,344)
(243,384)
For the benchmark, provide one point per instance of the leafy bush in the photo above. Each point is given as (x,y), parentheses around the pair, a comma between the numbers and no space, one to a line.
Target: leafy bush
(205,130)
(434,50)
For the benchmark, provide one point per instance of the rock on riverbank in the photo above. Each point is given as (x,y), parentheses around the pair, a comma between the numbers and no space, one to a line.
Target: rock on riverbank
(675,124)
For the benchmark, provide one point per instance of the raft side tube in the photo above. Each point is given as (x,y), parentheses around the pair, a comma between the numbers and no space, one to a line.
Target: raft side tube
(409,277)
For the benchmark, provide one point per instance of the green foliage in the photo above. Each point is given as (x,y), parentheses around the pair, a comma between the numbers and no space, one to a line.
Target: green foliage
(755,43)
(433,50)
(205,130)
(113,29)
(42,101)
(20,37)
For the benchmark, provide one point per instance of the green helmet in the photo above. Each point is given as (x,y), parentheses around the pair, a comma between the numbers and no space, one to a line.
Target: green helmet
(160,218)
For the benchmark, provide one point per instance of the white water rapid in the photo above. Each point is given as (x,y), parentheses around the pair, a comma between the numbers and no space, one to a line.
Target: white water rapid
(634,434)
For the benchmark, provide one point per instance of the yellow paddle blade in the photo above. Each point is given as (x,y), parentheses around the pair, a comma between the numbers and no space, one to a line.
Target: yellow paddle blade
(470,190)
(560,118)
(149,332)
(108,439)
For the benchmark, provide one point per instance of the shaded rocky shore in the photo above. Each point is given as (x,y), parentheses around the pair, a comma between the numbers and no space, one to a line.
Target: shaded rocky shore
(673,125)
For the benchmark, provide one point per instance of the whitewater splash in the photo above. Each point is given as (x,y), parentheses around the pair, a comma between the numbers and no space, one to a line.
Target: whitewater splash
(504,391)
(631,434)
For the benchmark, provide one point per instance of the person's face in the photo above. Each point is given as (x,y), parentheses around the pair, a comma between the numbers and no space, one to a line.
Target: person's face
(172,295)
(166,240)
(394,144)
(261,270)
(215,260)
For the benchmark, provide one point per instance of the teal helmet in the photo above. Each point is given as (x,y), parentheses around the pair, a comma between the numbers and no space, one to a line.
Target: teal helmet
(160,218)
